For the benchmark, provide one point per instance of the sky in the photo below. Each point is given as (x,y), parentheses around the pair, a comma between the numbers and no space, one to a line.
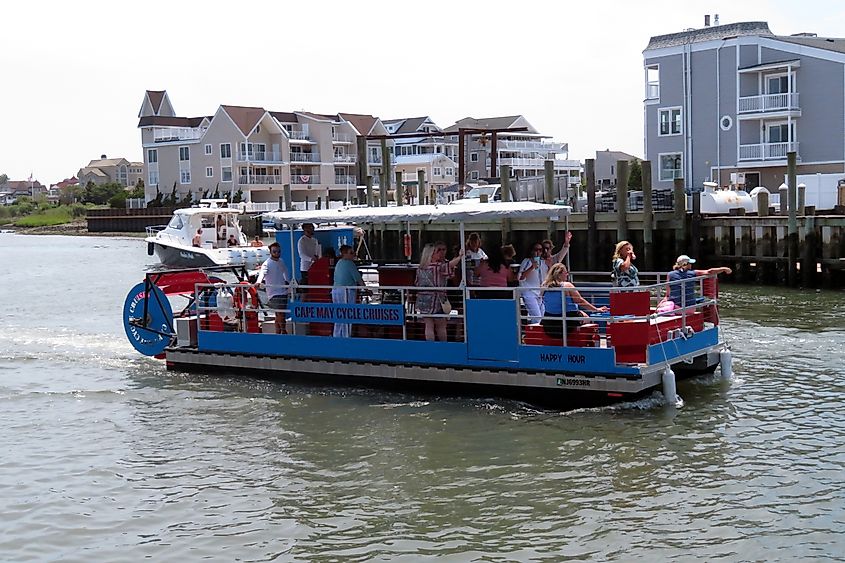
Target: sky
(74,73)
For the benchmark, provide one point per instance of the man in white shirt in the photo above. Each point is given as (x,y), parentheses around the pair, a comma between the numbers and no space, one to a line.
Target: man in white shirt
(274,275)
(309,251)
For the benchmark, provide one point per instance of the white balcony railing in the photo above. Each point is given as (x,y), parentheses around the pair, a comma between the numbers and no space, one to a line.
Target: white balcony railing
(766,151)
(304,179)
(538,163)
(534,146)
(345,158)
(259,156)
(304,157)
(252,180)
(345,180)
(299,135)
(768,102)
(164,134)
(342,138)
(376,159)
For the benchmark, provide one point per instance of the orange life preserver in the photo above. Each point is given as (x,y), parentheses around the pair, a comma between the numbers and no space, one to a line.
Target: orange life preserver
(407,241)
(245,296)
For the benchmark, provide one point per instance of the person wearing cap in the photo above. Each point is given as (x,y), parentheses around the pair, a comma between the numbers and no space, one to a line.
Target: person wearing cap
(682,270)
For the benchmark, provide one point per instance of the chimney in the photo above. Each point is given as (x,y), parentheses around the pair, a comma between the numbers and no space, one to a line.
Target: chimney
(102,157)
(715,19)
(706,20)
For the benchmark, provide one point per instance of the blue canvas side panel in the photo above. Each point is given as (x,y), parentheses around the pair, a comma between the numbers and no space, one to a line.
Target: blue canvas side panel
(492,329)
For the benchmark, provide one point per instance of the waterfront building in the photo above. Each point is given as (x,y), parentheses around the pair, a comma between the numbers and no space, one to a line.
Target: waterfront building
(605,166)
(728,102)
(525,152)
(255,152)
(106,170)
(436,156)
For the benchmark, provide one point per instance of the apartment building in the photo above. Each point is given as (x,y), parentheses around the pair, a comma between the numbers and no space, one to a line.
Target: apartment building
(728,102)
(106,170)
(605,165)
(437,157)
(255,151)
(525,152)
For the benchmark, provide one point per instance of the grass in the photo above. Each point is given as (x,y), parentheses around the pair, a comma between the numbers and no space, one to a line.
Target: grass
(46,218)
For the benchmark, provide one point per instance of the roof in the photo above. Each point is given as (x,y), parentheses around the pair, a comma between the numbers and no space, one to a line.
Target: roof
(155,97)
(92,170)
(284,116)
(409,125)
(208,211)
(827,43)
(711,33)
(483,123)
(244,117)
(362,123)
(106,162)
(424,213)
(617,155)
(164,121)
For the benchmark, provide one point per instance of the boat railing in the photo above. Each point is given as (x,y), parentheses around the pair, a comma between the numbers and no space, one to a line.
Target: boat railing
(630,311)
(153,230)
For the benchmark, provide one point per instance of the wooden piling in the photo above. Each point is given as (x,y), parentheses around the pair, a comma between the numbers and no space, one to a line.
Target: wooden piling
(421,187)
(288,202)
(363,169)
(792,233)
(648,217)
(809,265)
(621,200)
(592,230)
(763,204)
(695,225)
(549,170)
(370,197)
(680,207)
(399,193)
(505,181)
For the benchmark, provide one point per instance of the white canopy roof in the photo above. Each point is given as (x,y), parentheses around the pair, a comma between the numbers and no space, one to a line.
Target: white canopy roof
(424,213)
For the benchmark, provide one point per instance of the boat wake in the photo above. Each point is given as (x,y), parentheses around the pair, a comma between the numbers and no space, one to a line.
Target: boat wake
(28,344)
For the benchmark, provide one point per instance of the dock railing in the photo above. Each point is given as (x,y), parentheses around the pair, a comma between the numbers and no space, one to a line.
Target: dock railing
(243,307)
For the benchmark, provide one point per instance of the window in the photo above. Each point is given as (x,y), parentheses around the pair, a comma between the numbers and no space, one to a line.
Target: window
(152,156)
(209,172)
(208,149)
(450,171)
(669,120)
(152,177)
(652,82)
(779,133)
(225,150)
(184,153)
(474,175)
(671,166)
(226,174)
(436,171)
(473,157)
(777,84)
(185,176)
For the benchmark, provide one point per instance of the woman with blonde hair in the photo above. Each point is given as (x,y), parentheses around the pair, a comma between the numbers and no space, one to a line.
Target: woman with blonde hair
(434,271)
(625,274)
(559,297)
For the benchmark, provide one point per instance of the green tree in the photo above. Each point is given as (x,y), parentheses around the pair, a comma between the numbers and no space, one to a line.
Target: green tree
(118,200)
(156,201)
(100,194)
(239,196)
(188,200)
(635,176)
(216,192)
(4,179)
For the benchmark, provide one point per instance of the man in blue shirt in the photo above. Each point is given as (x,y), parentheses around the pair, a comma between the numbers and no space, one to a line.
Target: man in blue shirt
(346,279)
(683,271)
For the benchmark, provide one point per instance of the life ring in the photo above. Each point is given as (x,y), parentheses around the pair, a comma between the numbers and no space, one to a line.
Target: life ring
(245,296)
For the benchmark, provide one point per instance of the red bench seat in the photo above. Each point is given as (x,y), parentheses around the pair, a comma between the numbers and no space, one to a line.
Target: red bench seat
(586,335)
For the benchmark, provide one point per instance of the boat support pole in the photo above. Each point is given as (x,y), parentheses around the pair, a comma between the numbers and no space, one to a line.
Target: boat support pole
(465,292)
(726,363)
(669,389)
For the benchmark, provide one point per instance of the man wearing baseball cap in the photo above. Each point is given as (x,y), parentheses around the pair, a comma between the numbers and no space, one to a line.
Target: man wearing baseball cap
(682,270)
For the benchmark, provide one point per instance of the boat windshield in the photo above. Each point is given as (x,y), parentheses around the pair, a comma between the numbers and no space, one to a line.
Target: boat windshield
(175,222)
(479,191)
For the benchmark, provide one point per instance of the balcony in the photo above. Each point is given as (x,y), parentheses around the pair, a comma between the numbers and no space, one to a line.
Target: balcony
(304,179)
(344,159)
(766,151)
(166,134)
(537,163)
(377,159)
(259,179)
(304,157)
(260,156)
(533,146)
(342,138)
(298,134)
(768,103)
(345,180)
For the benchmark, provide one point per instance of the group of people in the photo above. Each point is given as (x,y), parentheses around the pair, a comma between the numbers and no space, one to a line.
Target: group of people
(549,297)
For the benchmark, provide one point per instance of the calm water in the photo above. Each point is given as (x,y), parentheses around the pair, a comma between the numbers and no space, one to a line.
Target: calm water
(108,457)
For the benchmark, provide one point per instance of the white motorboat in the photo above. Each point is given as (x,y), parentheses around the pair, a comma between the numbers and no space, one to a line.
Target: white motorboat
(215,223)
